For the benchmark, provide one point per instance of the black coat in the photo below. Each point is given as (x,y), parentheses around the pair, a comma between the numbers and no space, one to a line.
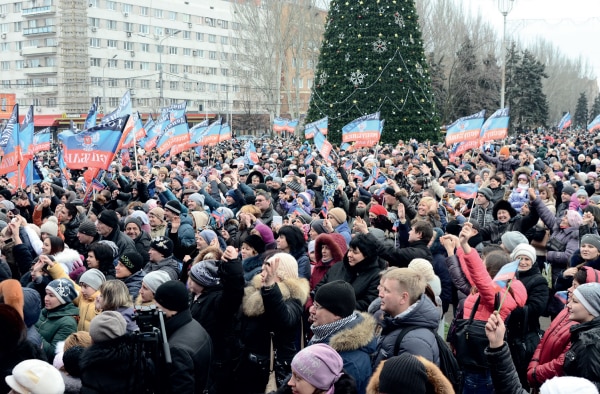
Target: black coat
(504,374)
(109,367)
(70,234)
(583,359)
(191,352)
(537,297)
(402,257)
(364,278)
(9,358)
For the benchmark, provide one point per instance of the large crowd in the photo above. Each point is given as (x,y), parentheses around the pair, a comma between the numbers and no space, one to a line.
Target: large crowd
(208,273)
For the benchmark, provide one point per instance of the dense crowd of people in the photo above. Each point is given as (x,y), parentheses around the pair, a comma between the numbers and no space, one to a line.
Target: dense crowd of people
(208,273)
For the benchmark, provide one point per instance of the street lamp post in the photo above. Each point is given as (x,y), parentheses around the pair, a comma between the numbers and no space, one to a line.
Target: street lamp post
(104,79)
(160,75)
(505,7)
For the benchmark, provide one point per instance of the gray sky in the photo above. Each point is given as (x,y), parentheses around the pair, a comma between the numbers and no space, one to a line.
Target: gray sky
(573,26)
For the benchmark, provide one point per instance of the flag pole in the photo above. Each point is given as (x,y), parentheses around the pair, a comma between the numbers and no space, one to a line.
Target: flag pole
(137,170)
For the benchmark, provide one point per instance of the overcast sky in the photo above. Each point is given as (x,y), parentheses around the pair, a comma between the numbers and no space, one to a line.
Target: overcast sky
(573,25)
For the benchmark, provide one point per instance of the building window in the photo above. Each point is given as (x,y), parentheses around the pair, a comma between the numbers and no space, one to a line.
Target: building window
(96,81)
(187,35)
(113,101)
(94,3)
(145,47)
(111,5)
(159,31)
(174,85)
(129,83)
(309,83)
(18,26)
(172,15)
(144,66)
(112,63)
(51,102)
(212,38)
(158,13)
(201,86)
(224,88)
(212,71)
(17,7)
(111,25)
(128,26)
(187,86)
(172,50)
(187,68)
(199,36)
(144,29)
(224,55)
(113,82)
(234,41)
(128,46)
(4,46)
(187,52)
(173,68)
(128,64)
(36,102)
(126,7)
(212,87)
(235,25)
(19,64)
(200,53)
(235,88)
(95,62)
(224,24)
(225,72)
(94,42)
(111,43)
(145,83)
(94,22)
(224,40)
(212,55)
(144,11)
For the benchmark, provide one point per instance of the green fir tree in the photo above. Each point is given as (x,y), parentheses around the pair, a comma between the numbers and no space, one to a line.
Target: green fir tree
(372,60)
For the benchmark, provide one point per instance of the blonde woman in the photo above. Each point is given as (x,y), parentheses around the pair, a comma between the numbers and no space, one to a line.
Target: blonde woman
(114,296)
(427,210)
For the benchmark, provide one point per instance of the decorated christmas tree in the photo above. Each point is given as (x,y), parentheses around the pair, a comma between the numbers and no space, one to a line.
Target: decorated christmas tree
(372,60)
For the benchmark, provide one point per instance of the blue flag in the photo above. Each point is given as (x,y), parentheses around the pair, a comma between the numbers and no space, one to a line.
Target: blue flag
(90,120)
(9,142)
(496,126)
(465,129)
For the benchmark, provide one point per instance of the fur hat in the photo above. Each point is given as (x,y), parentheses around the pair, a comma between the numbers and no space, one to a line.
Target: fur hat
(591,239)
(107,325)
(154,279)
(339,214)
(174,206)
(172,295)
(523,249)
(511,239)
(320,365)
(50,227)
(568,384)
(588,295)
(133,261)
(109,218)
(162,245)
(93,278)
(574,218)
(88,227)
(36,377)
(63,290)
(505,206)
(425,268)
(337,297)
(255,242)
(206,273)
(487,193)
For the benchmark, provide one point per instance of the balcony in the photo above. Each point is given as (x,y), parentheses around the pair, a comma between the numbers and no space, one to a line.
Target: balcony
(40,70)
(35,51)
(38,30)
(35,11)
(42,90)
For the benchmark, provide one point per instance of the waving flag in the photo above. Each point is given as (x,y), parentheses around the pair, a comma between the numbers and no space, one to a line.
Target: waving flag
(137,133)
(211,134)
(348,165)
(465,129)
(364,131)
(123,109)
(565,122)
(65,176)
(279,125)
(496,126)
(325,207)
(345,146)
(197,132)
(594,125)
(9,142)
(250,156)
(90,120)
(323,146)
(506,274)
(225,132)
(321,125)
(41,141)
(158,131)
(26,135)
(151,133)
(95,147)
(466,191)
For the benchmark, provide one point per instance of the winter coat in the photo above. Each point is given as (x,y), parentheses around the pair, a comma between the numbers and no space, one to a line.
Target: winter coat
(337,246)
(504,374)
(402,257)
(494,231)
(70,234)
(56,325)
(563,283)
(355,342)
(497,193)
(303,263)
(344,229)
(9,358)
(67,258)
(537,298)
(184,241)
(109,367)
(364,278)
(191,352)
(169,265)
(506,166)
(123,242)
(252,267)
(549,356)
(583,358)
(134,283)
(419,342)
(483,216)
(459,280)
(215,308)
(142,245)
(268,314)
(477,275)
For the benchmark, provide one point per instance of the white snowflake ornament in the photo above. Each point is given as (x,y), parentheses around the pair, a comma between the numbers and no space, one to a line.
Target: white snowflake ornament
(380,46)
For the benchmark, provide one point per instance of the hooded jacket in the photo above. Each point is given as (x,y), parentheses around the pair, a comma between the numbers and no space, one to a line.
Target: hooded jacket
(583,359)
(56,325)
(337,245)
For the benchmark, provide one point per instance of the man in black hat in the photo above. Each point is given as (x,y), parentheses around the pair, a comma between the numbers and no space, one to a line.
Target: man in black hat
(109,230)
(161,258)
(565,200)
(189,343)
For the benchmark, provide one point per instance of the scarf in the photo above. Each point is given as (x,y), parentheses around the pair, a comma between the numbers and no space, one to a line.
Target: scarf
(322,333)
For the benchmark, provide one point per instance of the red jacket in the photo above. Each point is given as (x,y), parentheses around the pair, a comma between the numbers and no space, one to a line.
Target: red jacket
(477,275)
(337,245)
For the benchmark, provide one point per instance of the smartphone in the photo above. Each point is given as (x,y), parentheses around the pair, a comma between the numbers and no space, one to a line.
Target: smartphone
(277,221)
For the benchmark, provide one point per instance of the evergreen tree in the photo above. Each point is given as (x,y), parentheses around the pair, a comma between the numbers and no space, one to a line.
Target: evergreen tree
(595,111)
(513,58)
(532,108)
(489,85)
(580,119)
(438,84)
(463,84)
(372,60)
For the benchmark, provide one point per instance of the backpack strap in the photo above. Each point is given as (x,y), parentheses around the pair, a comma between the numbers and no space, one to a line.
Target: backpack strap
(401,336)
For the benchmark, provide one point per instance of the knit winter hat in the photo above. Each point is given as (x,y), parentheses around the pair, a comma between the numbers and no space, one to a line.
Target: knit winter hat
(255,242)
(320,365)
(337,297)
(505,150)
(523,250)
(50,227)
(588,295)
(208,236)
(487,193)
(317,225)
(574,218)
(63,290)
(109,218)
(197,198)
(288,266)
(35,377)
(570,190)
(133,261)
(135,221)
(172,295)
(88,227)
(162,245)
(154,279)
(568,384)
(265,232)
(107,325)
(403,373)
(206,273)
(591,239)
(581,192)
(339,214)
(158,213)
(511,239)
(390,191)
(294,186)
(378,210)
(93,278)
(141,216)
(174,206)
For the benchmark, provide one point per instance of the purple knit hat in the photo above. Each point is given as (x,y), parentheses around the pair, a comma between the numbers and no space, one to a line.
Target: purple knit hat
(320,365)
(265,232)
